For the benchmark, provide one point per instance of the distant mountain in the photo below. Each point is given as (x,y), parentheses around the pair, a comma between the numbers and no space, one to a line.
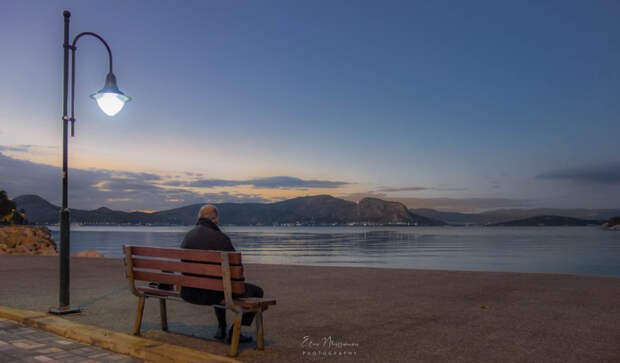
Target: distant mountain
(506,215)
(548,221)
(314,210)
(38,210)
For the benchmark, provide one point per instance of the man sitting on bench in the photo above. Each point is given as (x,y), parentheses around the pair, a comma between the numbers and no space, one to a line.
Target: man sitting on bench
(207,236)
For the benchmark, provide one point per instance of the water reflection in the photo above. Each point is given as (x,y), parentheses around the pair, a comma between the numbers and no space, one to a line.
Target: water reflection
(583,250)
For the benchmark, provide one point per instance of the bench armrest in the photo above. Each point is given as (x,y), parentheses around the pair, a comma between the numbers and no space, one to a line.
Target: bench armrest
(128,262)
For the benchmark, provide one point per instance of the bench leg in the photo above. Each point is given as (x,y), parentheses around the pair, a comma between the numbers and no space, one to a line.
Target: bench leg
(260,337)
(138,323)
(234,344)
(164,314)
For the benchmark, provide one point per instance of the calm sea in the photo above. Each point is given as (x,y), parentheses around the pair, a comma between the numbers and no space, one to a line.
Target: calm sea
(579,250)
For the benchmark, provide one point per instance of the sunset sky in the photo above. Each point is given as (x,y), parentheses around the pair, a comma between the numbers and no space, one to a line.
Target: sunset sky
(455,105)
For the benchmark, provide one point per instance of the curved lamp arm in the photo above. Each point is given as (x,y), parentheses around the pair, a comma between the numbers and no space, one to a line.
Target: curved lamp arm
(73,49)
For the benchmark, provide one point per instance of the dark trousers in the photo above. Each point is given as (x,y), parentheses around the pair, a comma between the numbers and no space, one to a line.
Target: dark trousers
(251,290)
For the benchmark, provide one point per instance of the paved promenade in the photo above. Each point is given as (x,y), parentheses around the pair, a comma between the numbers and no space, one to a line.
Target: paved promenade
(28,345)
(389,315)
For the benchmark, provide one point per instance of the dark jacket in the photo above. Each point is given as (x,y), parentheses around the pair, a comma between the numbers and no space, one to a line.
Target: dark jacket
(205,236)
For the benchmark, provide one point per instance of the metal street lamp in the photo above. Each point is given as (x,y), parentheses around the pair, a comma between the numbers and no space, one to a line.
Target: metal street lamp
(111,100)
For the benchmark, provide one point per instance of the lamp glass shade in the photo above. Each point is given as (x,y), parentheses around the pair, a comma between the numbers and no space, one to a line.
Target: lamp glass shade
(110,102)
(110,99)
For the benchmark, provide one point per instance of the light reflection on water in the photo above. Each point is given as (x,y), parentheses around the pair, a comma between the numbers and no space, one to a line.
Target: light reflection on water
(581,250)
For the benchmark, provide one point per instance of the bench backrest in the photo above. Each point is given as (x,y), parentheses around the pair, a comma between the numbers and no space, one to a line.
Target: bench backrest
(167,265)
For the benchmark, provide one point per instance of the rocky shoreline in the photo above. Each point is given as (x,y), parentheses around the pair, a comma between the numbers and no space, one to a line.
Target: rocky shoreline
(27,240)
(33,241)
(613,224)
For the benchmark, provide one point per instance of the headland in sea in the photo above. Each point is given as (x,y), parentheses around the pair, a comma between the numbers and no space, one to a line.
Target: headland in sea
(389,315)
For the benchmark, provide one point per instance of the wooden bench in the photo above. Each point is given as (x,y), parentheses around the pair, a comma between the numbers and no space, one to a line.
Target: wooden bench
(166,265)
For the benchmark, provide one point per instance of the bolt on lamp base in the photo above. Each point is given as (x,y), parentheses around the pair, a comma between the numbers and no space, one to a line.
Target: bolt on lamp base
(63,310)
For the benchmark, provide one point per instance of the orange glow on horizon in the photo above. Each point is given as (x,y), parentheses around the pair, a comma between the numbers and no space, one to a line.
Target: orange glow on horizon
(88,161)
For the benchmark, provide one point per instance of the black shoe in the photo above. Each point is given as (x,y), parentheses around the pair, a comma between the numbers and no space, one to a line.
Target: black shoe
(242,338)
(220,333)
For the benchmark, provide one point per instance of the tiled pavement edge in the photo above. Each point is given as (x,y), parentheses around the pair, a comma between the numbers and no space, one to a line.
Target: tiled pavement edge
(25,345)
(141,348)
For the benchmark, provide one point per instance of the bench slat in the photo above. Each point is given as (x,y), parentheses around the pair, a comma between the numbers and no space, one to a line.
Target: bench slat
(236,272)
(246,302)
(185,254)
(160,292)
(189,281)
(249,302)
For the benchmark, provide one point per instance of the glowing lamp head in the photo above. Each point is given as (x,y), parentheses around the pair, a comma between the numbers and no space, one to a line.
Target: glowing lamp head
(110,99)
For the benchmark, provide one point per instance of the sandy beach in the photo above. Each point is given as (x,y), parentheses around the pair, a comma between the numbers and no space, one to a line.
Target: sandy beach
(389,315)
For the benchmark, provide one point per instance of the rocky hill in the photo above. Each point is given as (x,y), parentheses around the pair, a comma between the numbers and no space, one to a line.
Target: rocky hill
(613,223)
(42,211)
(378,211)
(314,210)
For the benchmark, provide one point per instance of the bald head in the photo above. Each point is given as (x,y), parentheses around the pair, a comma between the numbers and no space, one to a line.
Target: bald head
(209,212)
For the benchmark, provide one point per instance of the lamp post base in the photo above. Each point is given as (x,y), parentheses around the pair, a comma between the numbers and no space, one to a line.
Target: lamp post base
(63,310)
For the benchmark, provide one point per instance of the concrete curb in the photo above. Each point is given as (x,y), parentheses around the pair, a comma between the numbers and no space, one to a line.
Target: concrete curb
(138,347)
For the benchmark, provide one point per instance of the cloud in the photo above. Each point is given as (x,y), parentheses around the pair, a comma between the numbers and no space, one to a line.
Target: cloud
(462,205)
(92,188)
(128,174)
(608,173)
(404,189)
(189,173)
(16,148)
(174,183)
(417,189)
(274,182)
(495,184)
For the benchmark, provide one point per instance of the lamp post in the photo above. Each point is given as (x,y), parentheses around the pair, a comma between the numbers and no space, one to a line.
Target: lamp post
(111,100)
